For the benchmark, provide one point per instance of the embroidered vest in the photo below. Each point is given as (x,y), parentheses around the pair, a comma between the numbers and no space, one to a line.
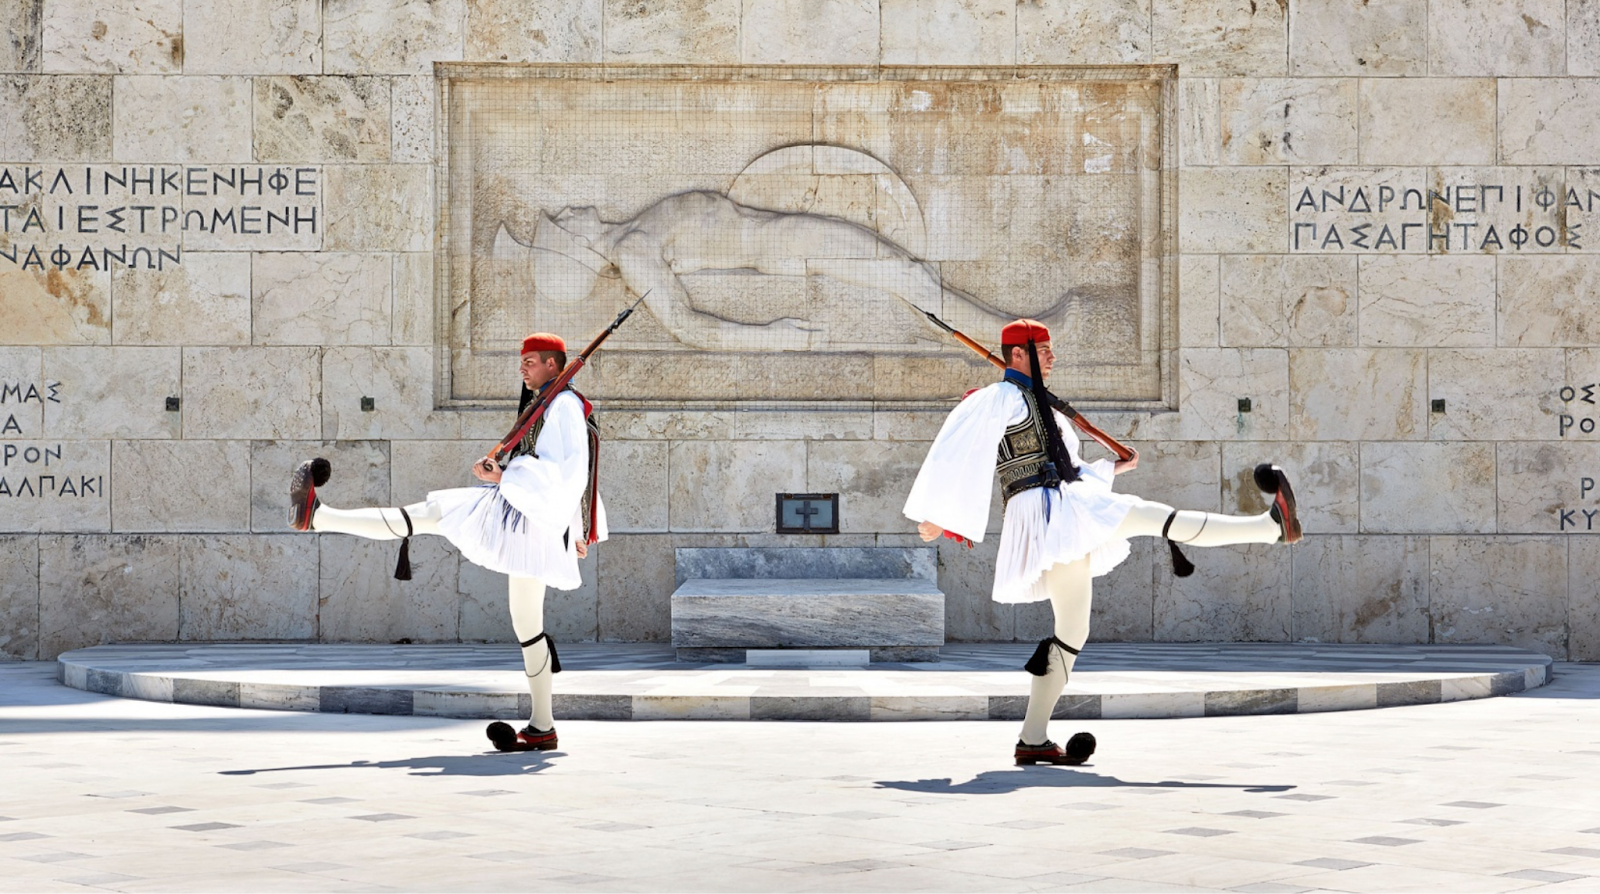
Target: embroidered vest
(1023,463)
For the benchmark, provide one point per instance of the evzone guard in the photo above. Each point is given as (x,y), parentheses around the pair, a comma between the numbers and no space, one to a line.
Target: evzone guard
(531,519)
(1063,523)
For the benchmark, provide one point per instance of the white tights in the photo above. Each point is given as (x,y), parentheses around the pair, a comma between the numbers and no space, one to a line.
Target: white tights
(1070,588)
(526,593)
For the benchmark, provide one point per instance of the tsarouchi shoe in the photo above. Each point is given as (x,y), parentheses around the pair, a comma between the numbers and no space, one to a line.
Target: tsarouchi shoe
(1272,480)
(529,739)
(303,484)
(1078,750)
(536,739)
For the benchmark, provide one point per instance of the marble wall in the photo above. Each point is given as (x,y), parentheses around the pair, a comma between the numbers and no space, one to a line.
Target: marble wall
(1431,389)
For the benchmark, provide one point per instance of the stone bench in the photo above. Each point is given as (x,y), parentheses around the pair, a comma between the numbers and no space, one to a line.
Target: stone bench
(893,619)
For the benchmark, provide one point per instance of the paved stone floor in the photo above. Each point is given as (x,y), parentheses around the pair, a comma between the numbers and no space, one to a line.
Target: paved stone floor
(105,793)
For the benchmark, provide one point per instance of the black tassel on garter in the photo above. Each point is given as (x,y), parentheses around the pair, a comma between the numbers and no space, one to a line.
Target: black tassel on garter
(549,643)
(1181,566)
(402,568)
(1039,664)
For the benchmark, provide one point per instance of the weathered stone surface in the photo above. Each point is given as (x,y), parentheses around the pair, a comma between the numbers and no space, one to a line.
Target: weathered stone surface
(411,121)
(182,118)
(1210,385)
(635,579)
(872,484)
(966,577)
(56,307)
(360,477)
(141,37)
(570,616)
(1123,610)
(1333,37)
(818,425)
(729,485)
(19,598)
(321,298)
(645,425)
(391,37)
(907,425)
(285,37)
(672,31)
(1270,300)
(112,392)
(1199,122)
(360,601)
(1271,121)
(21,36)
(1361,589)
(948,32)
(1433,301)
(1456,114)
(1236,594)
(400,383)
(102,589)
(1182,474)
(322,119)
(1541,488)
(1357,393)
(378,208)
(510,31)
(1199,301)
(633,485)
(159,486)
(55,486)
(807,613)
(1083,32)
(22,409)
(1507,394)
(419,467)
(411,316)
(1583,39)
(1427,488)
(1326,477)
(1511,591)
(1583,599)
(244,587)
(809,32)
(33,107)
(806,562)
(1545,120)
(203,301)
(1222,37)
(1510,38)
(1230,210)
(267,393)
(1544,301)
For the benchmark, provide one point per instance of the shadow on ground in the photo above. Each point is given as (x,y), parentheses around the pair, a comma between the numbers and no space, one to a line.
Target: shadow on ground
(996,782)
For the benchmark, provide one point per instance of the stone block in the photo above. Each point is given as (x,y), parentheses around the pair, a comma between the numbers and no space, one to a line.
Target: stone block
(400,383)
(21,36)
(1182,474)
(948,32)
(1509,394)
(112,392)
(907,425)
(180,486)
(1236,594)
(570,616)
(141,37)
(1360,589)
(1123,607)
(1583,38)
(53,485)
(635,577)
(360,477)
(1199,301)
(411,314)
(391,37)
(1357,393)
(19,598)
(322,119)
(1083,32)
(777,613)
(419,467)
(1273,121)
(1326,476)
(872,484)
(264,393)
(1544,120)
(321,298)
(1516,38)
(33,107)
(802,32)
(1210,384)
(56,307)
(820,425)
(805,562)
(411,120)
(203,301)
(966,577)
(284,37)
(633,485)
(1334,37)
(1510,591)
(102,589)
(510,31)
(182,118)
(360,601)
(1457,114)
(1199,122)
(1230,210)
(1252,701)
(216,693)
(1544,301)
(1583,599)
(1541,488)
(1221,37)
(704,33)
(1427,488)
(730,485)
(645,425)
(23,393)
(245,587)
(378,208)
(1274,300)
(1433,301)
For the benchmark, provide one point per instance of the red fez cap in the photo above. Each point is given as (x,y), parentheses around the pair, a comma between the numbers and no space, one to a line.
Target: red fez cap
(1019,332)
(543,341)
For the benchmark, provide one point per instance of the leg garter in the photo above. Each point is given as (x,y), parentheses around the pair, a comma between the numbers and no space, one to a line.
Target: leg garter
(1039,664)
(555,660)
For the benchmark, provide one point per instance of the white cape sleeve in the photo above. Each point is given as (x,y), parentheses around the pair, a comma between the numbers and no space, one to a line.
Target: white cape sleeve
(956,483)
(548,489)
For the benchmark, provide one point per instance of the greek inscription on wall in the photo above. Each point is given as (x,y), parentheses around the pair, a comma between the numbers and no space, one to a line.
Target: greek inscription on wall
(34,469)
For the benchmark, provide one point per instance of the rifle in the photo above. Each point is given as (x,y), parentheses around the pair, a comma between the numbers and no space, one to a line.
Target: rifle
(534,411)
(1122,451)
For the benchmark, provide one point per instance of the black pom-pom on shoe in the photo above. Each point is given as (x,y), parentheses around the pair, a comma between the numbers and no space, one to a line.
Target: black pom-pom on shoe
(1080,747)
(1267,477)
(503,736)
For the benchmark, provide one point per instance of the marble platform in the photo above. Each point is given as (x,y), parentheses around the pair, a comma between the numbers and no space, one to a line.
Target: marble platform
(646,682)
(895,619)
